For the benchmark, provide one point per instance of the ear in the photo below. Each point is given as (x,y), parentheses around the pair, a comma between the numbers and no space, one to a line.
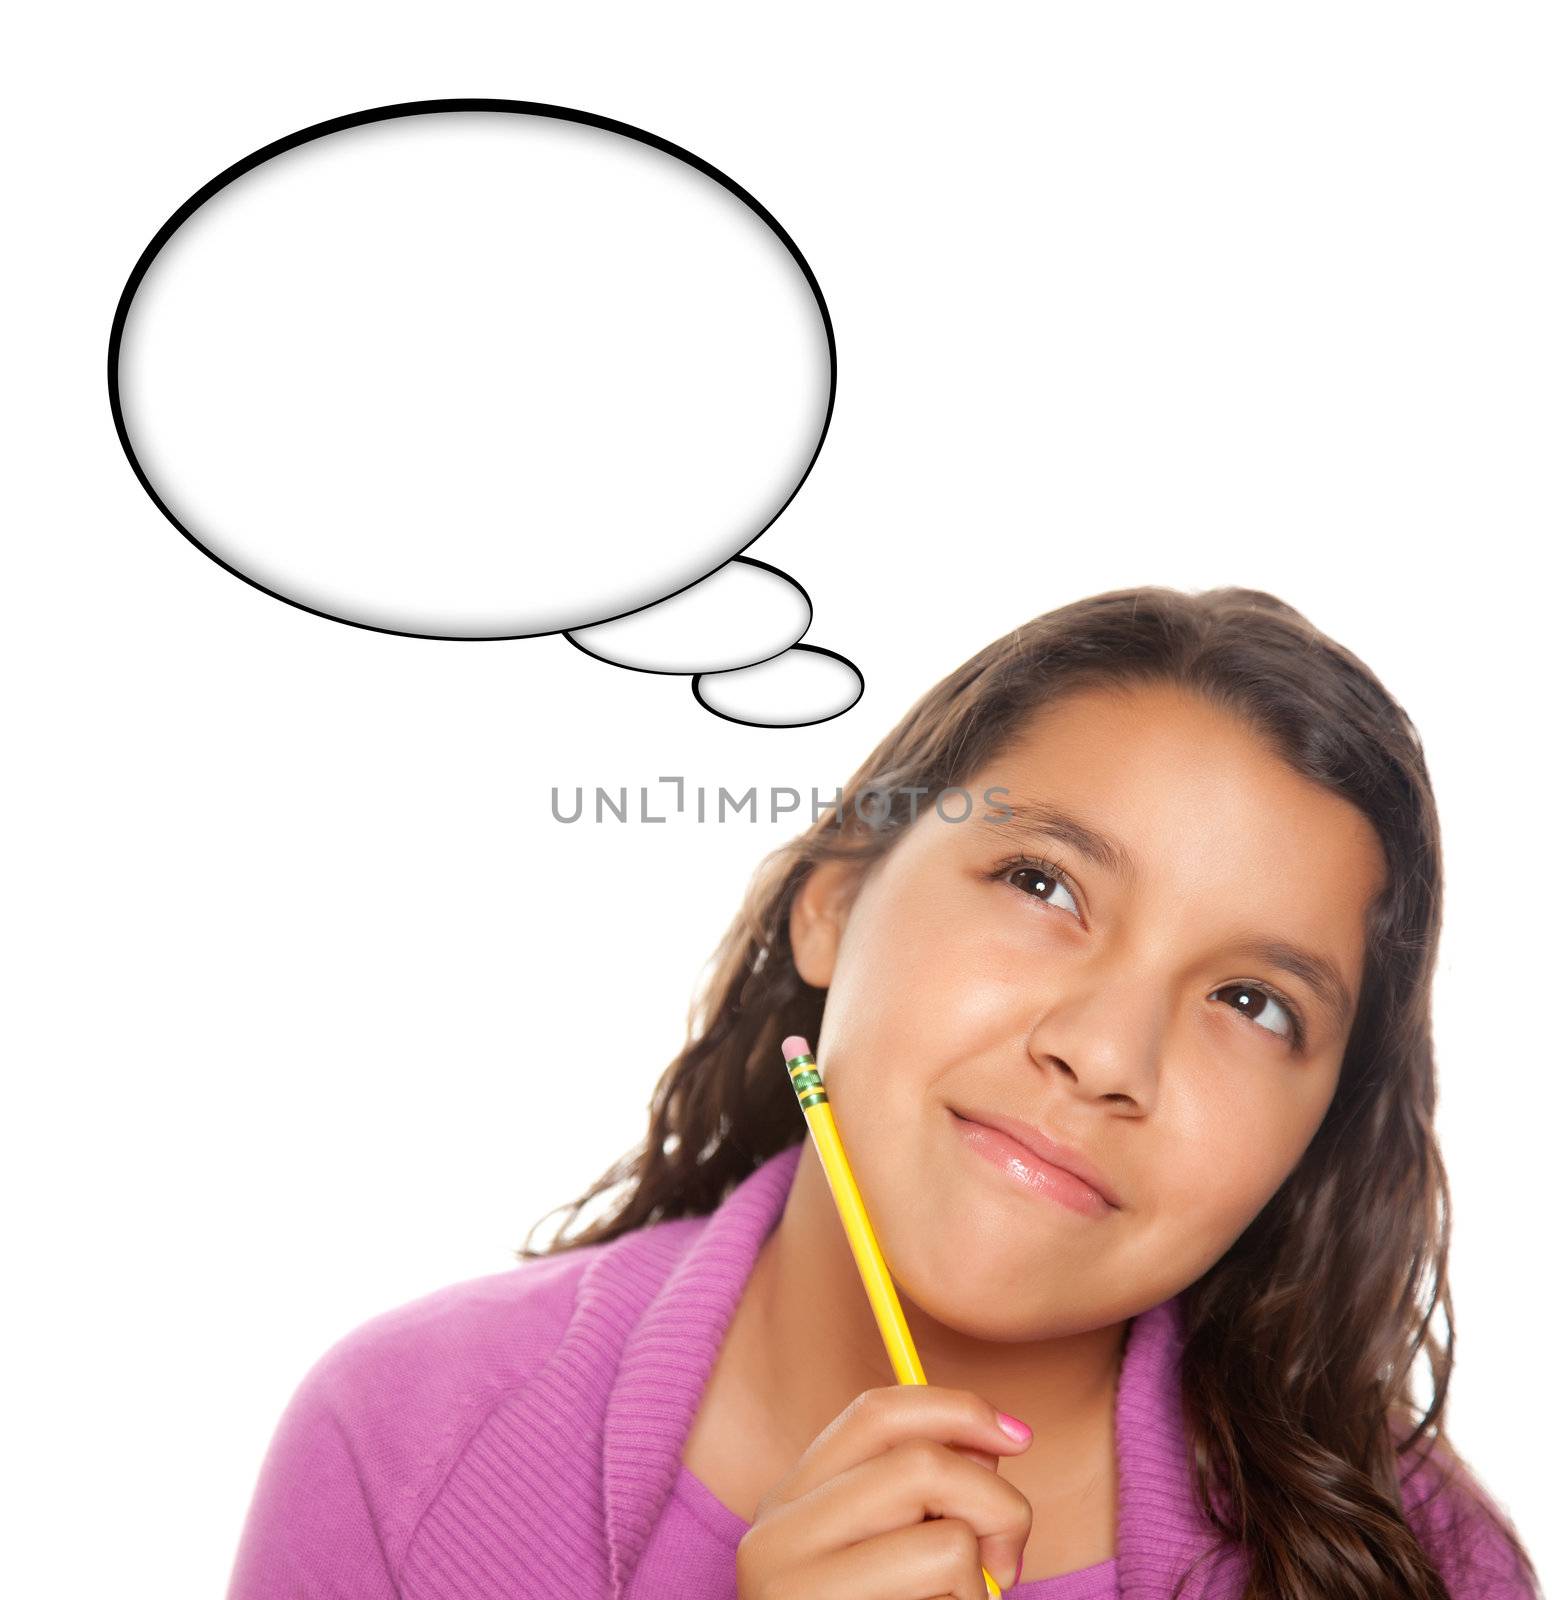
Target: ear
(817,917)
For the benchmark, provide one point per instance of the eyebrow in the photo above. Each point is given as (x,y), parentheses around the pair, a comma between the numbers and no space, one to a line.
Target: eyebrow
(1317,971)
(1042,816)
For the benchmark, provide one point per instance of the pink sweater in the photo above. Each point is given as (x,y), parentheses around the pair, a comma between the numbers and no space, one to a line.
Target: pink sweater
(518,1435)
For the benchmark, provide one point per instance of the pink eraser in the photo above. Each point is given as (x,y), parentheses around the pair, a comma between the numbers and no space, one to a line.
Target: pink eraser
(794,1046)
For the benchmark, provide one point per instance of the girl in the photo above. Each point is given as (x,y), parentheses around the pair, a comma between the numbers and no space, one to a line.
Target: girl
(1116,955)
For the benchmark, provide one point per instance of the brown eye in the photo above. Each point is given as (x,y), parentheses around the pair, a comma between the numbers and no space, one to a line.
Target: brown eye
(1257,1003)
(1040,880)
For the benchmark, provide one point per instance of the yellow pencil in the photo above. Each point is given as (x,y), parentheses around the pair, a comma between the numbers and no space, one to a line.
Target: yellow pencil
(805,1077)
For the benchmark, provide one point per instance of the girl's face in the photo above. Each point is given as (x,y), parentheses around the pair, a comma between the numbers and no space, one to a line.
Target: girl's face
(994,968)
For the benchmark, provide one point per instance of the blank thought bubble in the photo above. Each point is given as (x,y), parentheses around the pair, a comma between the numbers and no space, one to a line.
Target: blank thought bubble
(486,369)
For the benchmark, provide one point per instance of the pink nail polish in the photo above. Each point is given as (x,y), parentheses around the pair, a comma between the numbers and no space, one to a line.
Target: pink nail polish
(1017,1429)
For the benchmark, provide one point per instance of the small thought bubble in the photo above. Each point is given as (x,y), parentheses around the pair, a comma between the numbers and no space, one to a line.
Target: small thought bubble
(490,369)
(803,685)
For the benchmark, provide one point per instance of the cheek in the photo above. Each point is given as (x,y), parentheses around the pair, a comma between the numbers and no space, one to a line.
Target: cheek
(905,982)
(1221,1163)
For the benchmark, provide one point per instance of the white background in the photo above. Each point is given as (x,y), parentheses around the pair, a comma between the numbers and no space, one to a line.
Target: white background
(312,1008)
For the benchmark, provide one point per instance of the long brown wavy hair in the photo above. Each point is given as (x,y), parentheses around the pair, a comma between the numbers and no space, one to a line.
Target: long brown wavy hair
(1300,1340)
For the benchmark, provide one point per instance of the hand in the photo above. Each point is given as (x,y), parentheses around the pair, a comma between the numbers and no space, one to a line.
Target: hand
(848,1522)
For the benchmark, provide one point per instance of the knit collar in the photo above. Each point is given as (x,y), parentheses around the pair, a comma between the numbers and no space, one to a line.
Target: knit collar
(669,1350)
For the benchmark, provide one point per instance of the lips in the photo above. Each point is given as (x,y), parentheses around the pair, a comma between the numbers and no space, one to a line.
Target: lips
(1045,1149)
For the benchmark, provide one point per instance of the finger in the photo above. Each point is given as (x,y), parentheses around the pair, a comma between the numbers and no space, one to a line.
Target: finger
(916,1481)
(982,1457)
(879,1418)
(928,1561)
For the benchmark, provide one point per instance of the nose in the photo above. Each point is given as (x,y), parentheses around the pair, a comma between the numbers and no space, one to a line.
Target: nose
(1102,1047)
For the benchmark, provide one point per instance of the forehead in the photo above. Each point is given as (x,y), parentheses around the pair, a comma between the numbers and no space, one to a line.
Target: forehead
(1206,809)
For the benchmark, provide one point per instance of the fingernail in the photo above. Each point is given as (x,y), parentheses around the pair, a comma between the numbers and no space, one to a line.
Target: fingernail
(1020,1563)
(1017,1429)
